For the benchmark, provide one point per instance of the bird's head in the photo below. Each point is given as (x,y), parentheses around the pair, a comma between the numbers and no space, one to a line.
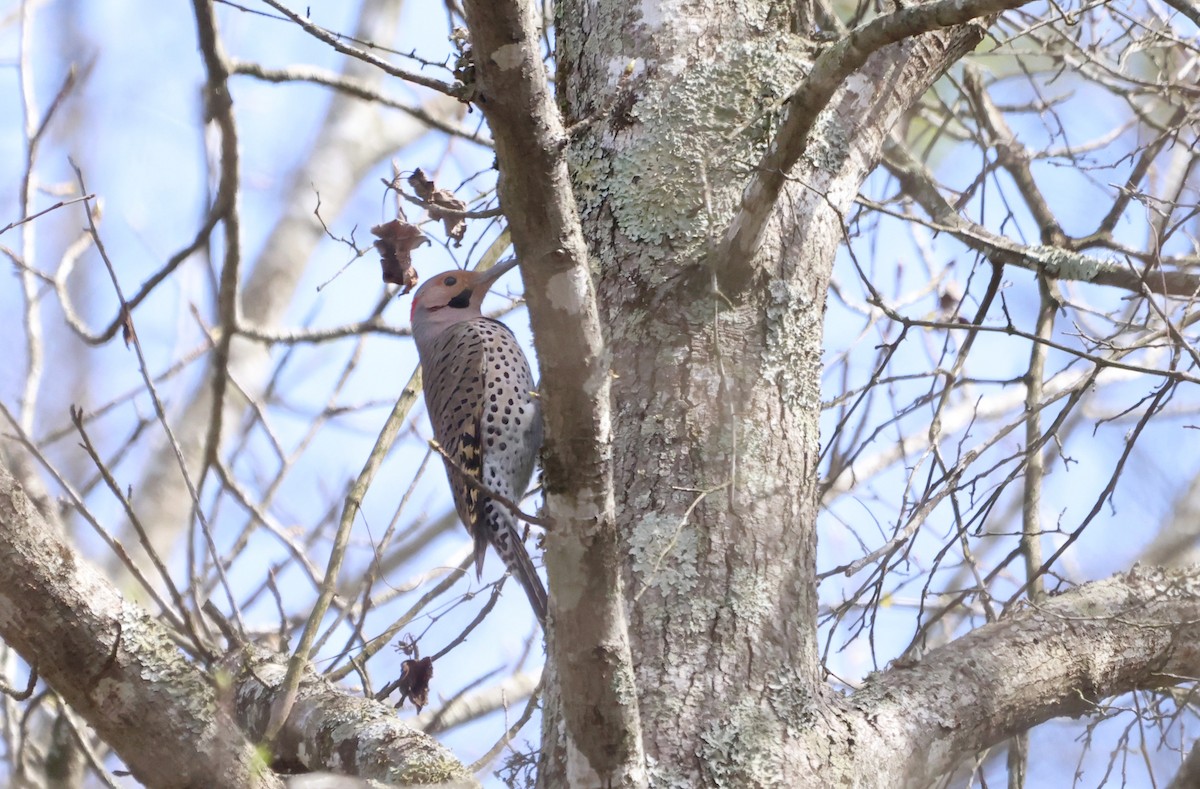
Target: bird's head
(451,297)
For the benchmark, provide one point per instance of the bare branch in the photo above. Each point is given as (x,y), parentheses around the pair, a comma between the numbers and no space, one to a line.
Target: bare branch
(219,110)
(1189,772)
(735,255)
(336,43)
(589,639)
(360,89)
(1055,262)
(44,211)
(350,509)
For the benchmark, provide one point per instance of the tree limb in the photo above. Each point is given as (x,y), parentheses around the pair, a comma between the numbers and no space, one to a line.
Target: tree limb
(335,43)
(330,729)
(358,88)
(1055,262)
(734,256)
(1133,631)
(589,640)
(111,662)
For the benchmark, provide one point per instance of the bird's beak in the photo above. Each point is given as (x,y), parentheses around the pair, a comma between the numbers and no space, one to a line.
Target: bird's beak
(487,278)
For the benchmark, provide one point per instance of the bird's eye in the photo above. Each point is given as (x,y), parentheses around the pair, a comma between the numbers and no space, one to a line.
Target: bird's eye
(450,281)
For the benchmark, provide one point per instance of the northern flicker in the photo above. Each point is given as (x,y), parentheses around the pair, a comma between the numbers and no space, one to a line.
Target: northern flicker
(479,394)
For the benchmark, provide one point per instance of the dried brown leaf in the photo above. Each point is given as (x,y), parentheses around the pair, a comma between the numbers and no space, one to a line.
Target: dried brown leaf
(421,184)
(396,242)
(127,331)
(435,199)
(415,676)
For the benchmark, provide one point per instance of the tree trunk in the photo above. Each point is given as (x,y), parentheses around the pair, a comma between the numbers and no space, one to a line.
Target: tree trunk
(716,394)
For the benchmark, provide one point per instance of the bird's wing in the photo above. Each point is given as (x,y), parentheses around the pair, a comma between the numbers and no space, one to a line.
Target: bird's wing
(454,393)
(479,392)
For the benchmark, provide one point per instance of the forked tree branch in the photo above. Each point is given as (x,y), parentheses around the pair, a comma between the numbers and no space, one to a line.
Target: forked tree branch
(338,45)
(734,256)
(359,89)
(1056,262)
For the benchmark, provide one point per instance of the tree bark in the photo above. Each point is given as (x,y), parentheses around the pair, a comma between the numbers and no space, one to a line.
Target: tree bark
(112,662)
(916,722)
(591,676)
(717,393)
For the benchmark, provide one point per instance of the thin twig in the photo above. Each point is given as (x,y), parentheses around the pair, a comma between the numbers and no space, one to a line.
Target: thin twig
(144,369)
(357,88)
(44,211)
(81,507)
(333,41)
(337,553)
(474,483)
(21,695)
(136,523)
(380,641)
(503,742)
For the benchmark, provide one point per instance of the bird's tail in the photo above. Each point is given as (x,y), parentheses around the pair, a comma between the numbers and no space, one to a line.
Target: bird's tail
(523,570)
(511,547)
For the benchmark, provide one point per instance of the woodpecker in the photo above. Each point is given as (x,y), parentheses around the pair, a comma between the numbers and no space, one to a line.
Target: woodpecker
(480,396)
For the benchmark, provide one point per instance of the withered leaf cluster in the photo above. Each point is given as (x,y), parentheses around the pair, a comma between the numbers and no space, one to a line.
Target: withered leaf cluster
(437,199)
(396,241)
(413,684)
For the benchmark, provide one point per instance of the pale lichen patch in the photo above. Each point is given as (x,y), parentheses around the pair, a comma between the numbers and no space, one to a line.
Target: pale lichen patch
(676,144)
(750,597)
(579,768)
(829,144)
(564,289)
(794,330)
(743,749)
(791,699)
(1065,264)
(664,551)
(508,56)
